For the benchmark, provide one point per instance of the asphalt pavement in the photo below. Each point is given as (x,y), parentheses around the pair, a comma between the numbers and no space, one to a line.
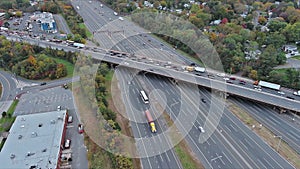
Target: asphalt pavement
(231,145)
(281,125)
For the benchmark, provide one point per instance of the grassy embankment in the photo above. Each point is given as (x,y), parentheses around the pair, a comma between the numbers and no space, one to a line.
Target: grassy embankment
(284,150)
(88,33)
(7,121)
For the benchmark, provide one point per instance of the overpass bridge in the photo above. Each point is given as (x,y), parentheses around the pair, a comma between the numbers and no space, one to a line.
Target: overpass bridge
(177,75)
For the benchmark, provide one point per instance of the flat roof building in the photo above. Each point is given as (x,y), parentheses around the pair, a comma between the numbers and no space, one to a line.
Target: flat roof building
(35,141)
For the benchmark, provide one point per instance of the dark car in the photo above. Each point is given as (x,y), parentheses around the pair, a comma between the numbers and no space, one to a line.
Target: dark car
(242,82)
(44,83)
(232,78)
(203,100)
(80,128)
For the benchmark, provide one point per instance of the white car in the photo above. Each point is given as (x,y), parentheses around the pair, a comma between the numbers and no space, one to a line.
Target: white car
(221,74)
(201,129)
(58,108)
(281,92)
(67,143)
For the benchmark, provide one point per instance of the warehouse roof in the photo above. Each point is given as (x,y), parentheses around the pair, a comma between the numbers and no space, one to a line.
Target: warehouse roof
(34,141)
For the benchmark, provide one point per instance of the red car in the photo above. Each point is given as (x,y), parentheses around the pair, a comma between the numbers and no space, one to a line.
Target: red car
(80,128)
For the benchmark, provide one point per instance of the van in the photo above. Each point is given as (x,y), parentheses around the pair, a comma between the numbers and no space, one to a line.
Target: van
(70,119)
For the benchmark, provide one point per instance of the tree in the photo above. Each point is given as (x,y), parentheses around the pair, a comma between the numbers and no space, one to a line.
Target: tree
(292,32)
(276,25)
(253,74)
(4,114)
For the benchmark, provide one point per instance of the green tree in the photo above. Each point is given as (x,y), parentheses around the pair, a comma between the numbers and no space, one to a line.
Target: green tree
(276,25)
(292,32)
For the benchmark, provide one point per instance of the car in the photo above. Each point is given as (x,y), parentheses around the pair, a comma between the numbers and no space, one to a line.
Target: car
(58,108)
(289,97)
(221,74)
(65,86)
(80,128)
(203,100)
(258,89)
(198,74)
(67,143)
(281,92)
(229,81)
(226,78)
(201,129)
(242,82)
(211,76)
(70,119)
(44,83)
(232,78)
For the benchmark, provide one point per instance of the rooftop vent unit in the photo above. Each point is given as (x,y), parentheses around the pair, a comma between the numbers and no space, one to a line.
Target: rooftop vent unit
(20,136)
(59,118)
(44,150)
(52,122)
(41,124)
(29,154)
(33,134)
(12,156)
(22,126)
(23,119)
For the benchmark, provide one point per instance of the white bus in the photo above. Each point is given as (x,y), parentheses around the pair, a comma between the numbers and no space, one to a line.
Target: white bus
(144,96)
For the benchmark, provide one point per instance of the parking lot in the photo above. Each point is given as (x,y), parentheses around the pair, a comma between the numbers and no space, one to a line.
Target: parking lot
(48,99)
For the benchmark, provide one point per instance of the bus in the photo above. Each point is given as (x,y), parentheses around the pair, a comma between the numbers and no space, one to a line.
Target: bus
(144,96)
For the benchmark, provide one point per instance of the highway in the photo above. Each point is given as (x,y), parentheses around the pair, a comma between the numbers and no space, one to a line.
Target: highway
(232,144)
(280,125)
(154,149)
(237,153)
(141,63)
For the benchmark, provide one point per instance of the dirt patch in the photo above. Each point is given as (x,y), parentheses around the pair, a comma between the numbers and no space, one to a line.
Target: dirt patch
(283,149)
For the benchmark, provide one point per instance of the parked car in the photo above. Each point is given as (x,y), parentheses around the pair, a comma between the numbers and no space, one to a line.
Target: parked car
(44,83)
(80,128)
(203,100)
(70,119)
(58,108)
(201,129)
(67,143)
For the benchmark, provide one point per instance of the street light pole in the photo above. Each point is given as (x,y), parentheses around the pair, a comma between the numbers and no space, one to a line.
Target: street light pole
(280,138)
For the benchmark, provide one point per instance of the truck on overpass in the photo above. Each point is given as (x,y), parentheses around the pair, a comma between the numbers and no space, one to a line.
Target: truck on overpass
(267,85)
(150,121)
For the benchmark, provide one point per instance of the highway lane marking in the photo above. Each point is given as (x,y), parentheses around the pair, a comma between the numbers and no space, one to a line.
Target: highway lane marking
(261,163)
(226,157)
(250,138)
(268,162)
(227,128)
(243,144)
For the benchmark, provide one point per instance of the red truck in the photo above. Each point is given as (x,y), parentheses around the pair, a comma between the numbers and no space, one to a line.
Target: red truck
(150,121)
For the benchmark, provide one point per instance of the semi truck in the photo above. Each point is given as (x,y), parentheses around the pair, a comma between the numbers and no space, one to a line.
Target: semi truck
(267,85)
(150,121)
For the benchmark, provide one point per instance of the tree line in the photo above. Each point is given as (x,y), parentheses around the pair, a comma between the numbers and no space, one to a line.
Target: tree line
(32,62)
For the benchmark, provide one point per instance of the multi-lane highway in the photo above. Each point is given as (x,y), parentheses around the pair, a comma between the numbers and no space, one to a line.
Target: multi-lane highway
(154,153)
(232,144)
(280,125)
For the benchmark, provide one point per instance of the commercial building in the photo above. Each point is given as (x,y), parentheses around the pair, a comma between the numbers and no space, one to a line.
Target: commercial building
(46,21)
(35,141)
